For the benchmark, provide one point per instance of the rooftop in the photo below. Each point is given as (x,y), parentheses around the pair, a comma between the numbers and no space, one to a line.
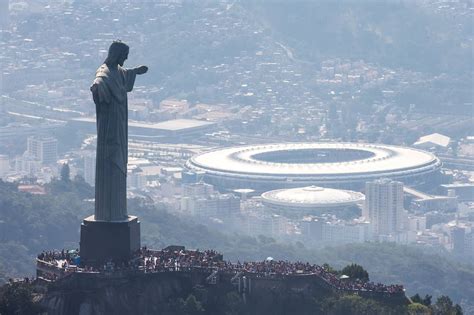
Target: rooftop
(434,138)
(312,196)
(169,125)
(317,159)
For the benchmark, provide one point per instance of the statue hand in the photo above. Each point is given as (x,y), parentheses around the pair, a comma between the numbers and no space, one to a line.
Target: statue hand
(142,69)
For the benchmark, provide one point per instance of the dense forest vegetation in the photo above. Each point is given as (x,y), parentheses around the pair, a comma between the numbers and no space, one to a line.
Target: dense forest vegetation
(33,223)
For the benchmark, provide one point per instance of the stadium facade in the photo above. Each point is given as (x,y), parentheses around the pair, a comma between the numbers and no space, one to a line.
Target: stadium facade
(338,165)
(312,200)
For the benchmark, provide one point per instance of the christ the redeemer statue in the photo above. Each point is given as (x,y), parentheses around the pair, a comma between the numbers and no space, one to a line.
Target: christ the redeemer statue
(109,91)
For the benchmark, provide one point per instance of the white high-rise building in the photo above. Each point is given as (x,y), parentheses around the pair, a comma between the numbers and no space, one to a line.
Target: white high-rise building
(136,179)
(4,165)
(89,168)
(384,206)
(198,189)
(4,14)
(44,149)
(27,164)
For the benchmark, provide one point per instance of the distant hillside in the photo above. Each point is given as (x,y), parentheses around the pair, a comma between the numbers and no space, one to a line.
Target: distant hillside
(392,33)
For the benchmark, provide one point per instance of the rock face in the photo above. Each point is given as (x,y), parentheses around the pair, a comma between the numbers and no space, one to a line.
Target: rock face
(151,293)
(117,294)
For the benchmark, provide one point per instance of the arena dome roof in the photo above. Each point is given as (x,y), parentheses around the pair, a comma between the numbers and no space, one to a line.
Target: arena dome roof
(312,197)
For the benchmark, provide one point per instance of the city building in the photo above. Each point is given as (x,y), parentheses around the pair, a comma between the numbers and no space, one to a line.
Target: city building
(416,223)
(200,199)
(272,225)
(436,203)
(384,206)
(89,168)
(328,230)
(32,189)
(4,165)
(216,205)
(43,149)
(433,142)
(458,240)
(174,105)
(136,179)
(138,112)
(27,164)
(461,236)
(199,189)
(463,191)
(4,14)
(170,130)
(423,202)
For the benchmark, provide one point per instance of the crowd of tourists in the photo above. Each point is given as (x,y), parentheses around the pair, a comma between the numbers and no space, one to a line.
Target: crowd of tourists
(179,259)
(56,256)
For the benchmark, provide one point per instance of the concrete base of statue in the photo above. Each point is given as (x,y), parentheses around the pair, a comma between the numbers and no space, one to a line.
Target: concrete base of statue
(102,241)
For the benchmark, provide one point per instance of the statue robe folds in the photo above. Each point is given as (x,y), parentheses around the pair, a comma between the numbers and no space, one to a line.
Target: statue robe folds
(110,89)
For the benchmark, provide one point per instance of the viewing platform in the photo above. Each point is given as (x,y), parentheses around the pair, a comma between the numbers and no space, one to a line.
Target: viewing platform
(208,268)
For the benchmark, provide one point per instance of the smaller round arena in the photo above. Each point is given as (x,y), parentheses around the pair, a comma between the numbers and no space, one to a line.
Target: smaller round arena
(312,200)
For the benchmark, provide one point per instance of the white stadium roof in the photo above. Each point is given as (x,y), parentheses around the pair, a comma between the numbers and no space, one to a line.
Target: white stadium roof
(242,160)
(313,163)
(313,197)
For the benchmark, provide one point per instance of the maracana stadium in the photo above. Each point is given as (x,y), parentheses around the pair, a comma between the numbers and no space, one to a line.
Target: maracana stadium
(339,165)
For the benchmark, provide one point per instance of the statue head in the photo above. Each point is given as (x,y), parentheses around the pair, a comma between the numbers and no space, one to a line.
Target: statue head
(118,53)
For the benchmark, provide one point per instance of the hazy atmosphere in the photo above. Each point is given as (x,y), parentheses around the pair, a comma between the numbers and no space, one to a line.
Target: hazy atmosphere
(236,157)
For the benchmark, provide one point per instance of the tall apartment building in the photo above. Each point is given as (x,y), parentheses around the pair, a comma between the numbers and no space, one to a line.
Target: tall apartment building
(216,205)
(197,189)
(44,149)
(4,165)
(89,168)
(27,164)
(4,14)
(136,179)
(324,231)
(384,206)
(462,241)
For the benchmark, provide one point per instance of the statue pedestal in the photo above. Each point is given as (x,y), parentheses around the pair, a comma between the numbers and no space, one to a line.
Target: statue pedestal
(102,241)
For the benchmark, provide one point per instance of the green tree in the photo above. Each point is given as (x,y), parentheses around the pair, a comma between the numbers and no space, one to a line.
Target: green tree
(455,147)
(65,173)
(425,301)
(444,306)
(234,303)
(17,298)
(82,188)
(418,309)
(190,306)
(355,271)
(354,304)
(329,269)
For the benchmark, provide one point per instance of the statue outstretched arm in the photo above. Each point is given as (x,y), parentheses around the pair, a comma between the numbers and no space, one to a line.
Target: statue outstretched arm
(141,69)
(130,74)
